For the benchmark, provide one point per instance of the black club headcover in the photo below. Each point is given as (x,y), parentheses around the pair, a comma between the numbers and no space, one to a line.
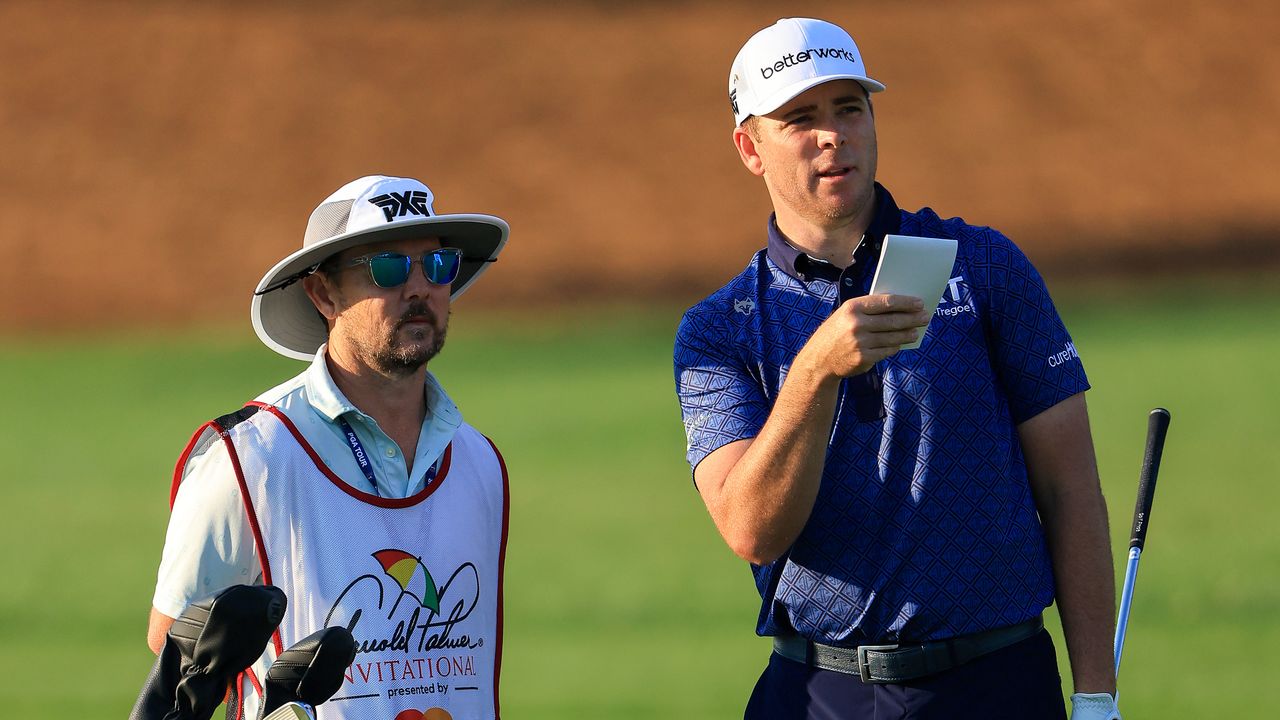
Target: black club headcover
(311,671)
(208,644)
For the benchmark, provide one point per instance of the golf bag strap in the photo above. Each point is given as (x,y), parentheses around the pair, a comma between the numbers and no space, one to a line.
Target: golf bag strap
(204,436)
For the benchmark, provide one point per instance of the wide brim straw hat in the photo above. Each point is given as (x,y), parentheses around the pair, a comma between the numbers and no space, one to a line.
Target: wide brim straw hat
(372,209)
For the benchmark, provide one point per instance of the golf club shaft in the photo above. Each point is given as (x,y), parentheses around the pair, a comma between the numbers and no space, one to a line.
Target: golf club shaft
(1126,599)
(1157,428)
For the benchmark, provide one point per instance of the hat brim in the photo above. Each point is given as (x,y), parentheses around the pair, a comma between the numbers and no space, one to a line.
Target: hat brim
(786,94)
(286,320)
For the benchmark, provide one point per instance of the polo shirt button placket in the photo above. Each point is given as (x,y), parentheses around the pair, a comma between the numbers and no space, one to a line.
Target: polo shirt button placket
(864,390)
(848,285)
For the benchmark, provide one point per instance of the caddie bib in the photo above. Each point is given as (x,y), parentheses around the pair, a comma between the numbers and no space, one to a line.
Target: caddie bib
(417,580)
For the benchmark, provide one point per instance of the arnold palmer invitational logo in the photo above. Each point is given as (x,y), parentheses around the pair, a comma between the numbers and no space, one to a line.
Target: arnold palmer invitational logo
(413,634)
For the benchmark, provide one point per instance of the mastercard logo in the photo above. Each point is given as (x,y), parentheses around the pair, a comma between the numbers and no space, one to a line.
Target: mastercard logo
(434,713)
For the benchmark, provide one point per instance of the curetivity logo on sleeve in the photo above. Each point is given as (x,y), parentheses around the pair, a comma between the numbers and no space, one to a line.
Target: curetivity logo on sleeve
(807,55)
(1067,353)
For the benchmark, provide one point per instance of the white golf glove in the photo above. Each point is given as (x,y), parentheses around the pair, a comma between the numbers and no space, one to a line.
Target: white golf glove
(1094,706)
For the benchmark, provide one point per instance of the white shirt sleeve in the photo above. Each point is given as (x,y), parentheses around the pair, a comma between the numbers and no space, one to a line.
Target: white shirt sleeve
(209,544)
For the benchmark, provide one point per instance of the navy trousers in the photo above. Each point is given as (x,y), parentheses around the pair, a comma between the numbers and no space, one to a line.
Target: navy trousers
(1019,682)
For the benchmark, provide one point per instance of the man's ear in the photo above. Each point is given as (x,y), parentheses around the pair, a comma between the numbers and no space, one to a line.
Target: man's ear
(324,295)
(746,146)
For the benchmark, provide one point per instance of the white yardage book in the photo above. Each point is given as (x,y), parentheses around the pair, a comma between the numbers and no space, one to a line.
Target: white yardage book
(916,266)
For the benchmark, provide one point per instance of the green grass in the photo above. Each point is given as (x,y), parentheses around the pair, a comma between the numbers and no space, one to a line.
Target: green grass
(622,601)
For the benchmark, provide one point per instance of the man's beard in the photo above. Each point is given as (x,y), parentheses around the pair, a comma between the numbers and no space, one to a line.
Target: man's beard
(397,358)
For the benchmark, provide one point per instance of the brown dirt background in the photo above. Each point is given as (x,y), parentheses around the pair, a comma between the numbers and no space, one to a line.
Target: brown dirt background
(159,157)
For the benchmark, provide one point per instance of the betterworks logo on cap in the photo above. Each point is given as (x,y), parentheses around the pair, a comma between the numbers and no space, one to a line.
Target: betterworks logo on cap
(811,55)
(789,57)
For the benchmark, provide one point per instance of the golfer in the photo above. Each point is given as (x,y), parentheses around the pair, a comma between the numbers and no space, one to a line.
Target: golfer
(908,514)
(355,486)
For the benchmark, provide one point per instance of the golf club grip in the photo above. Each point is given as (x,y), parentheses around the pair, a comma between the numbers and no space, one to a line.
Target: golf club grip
(1157,427)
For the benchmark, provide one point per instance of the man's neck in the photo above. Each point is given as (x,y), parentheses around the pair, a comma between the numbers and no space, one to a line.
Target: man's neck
(829,239)
(394,401)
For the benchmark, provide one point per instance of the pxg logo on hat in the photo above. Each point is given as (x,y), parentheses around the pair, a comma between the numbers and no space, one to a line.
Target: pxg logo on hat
(394,205)
(369,210)
(789,57)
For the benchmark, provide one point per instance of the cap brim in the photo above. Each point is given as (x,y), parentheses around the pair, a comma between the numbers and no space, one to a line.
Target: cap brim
(286,320)
(786,94)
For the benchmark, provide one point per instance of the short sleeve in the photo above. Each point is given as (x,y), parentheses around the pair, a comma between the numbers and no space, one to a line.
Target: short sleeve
(209,544)
(720,401)
(1034,357)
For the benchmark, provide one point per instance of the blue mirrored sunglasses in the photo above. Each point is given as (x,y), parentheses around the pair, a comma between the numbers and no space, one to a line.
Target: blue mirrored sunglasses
(390,269)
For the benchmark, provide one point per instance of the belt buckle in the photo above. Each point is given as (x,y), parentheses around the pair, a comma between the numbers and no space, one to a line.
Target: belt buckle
(864,669)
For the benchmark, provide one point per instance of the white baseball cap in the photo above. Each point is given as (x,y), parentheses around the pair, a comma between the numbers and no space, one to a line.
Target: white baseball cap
(789,57)
(371,209)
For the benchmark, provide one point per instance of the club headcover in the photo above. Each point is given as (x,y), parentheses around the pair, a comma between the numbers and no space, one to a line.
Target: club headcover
(292,711)
(310,671)
(225,634)
(208,644)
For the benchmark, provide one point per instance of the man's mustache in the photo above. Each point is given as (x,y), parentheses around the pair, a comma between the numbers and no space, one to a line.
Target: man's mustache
(417,311)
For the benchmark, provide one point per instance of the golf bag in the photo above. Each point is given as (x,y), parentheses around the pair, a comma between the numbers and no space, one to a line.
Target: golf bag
(212,641)
(209,644)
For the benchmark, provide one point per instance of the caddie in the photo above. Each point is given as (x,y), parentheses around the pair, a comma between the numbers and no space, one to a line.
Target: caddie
(356,487)
(908,514)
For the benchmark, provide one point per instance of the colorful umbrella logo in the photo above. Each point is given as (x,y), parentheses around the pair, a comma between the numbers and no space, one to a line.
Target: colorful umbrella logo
(412,575)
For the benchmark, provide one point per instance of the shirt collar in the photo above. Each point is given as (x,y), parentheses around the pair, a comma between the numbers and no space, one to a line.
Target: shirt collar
(323,395)
(887,220)
(322,392)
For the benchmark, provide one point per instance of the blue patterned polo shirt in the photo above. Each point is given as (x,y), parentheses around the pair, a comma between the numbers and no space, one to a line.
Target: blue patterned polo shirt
(924,526)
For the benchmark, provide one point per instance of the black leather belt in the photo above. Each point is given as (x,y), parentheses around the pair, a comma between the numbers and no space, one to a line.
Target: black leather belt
(900,663)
